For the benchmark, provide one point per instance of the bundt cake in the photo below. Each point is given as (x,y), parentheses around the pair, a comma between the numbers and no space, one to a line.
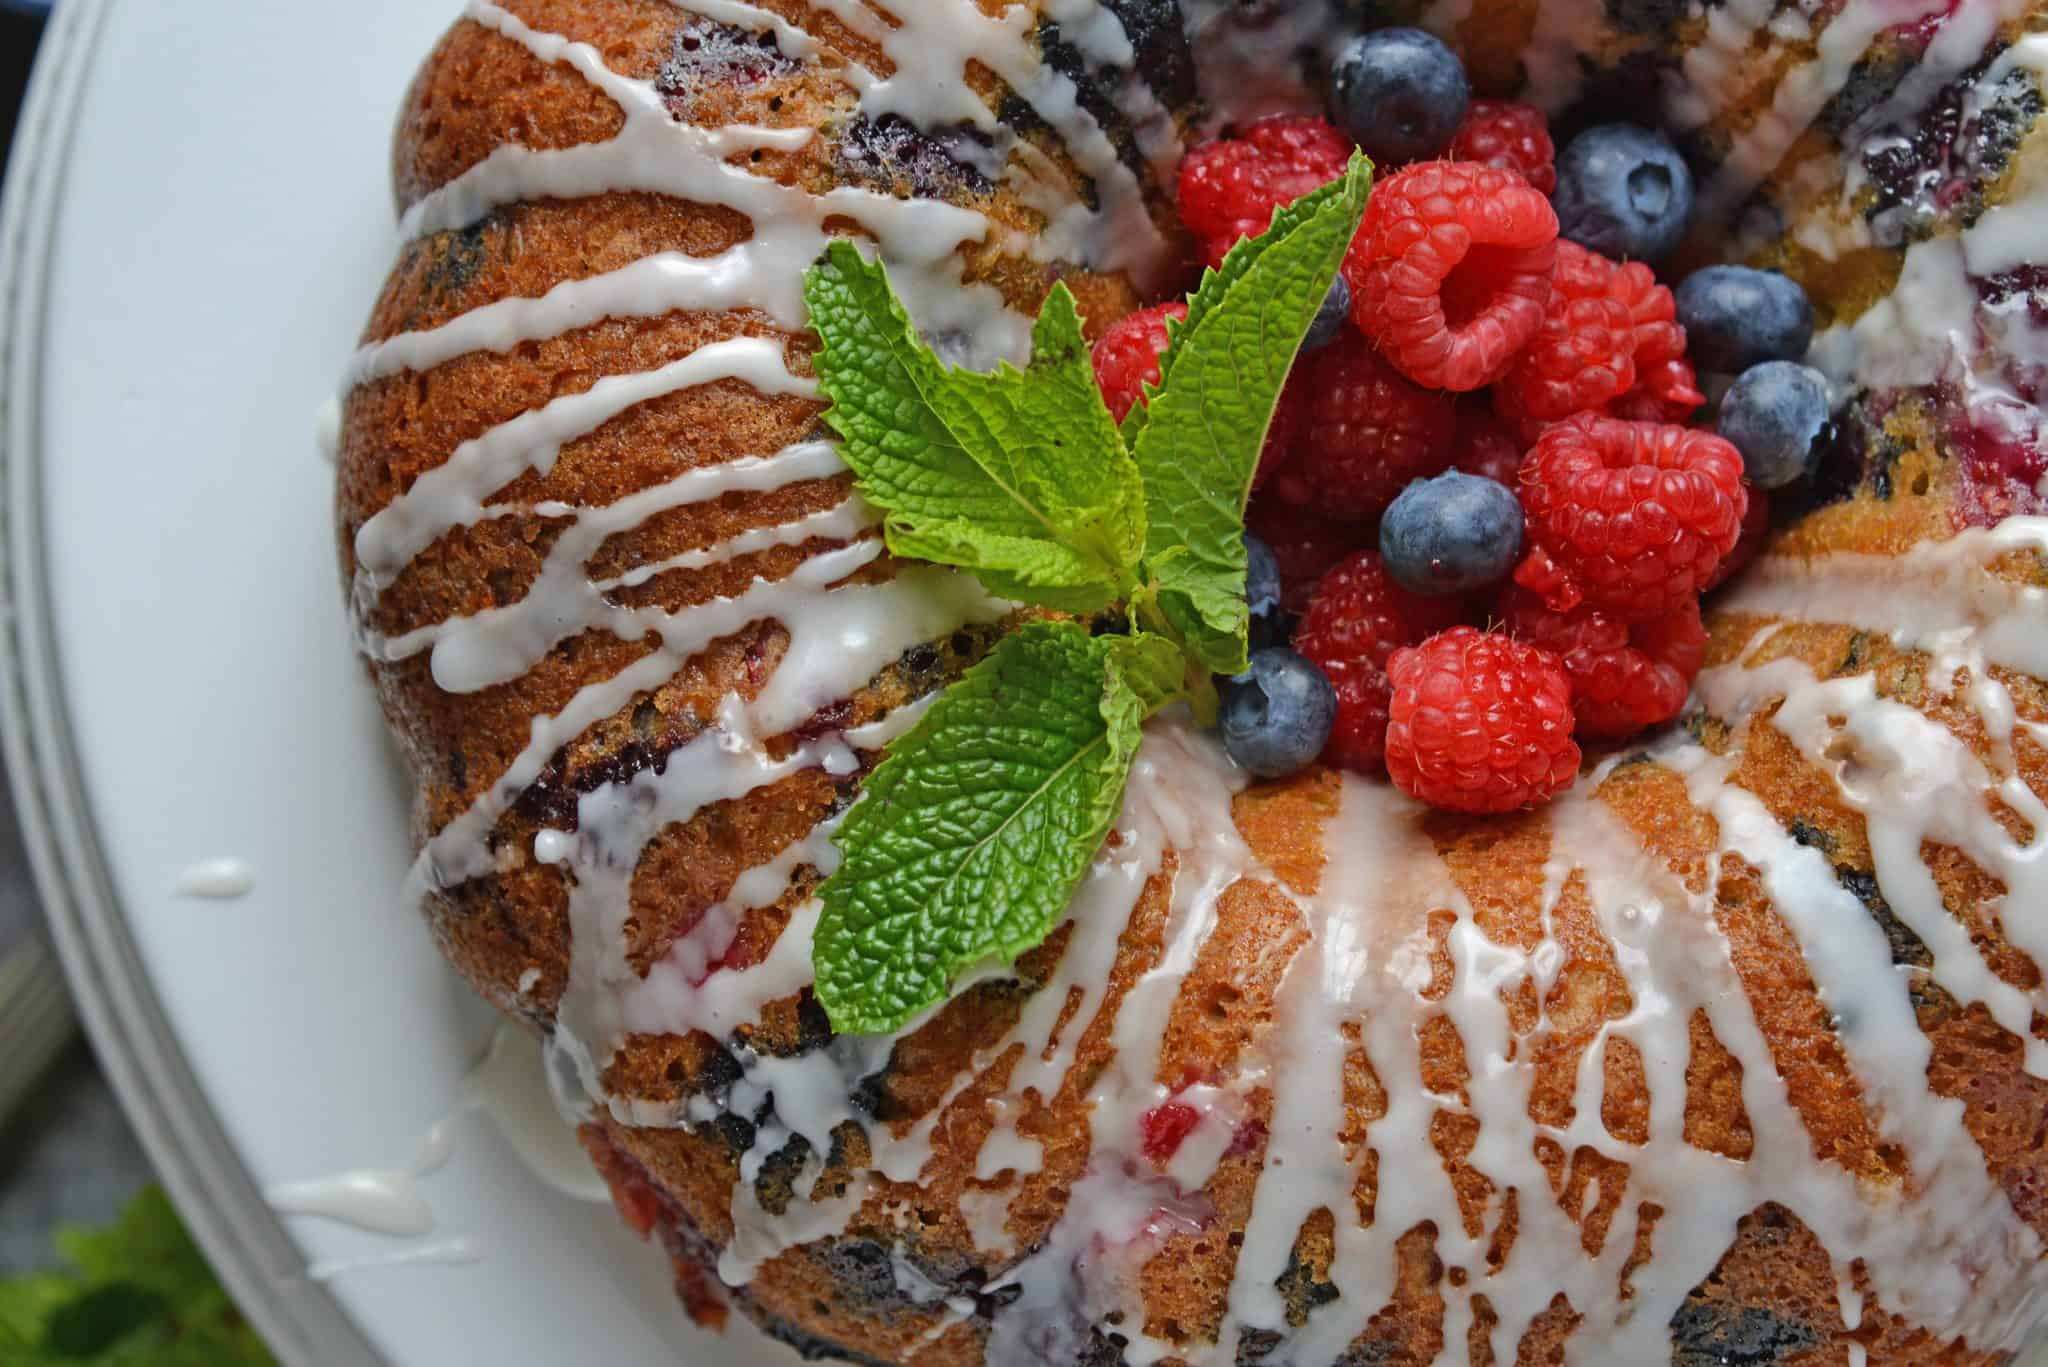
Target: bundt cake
(1737,1052)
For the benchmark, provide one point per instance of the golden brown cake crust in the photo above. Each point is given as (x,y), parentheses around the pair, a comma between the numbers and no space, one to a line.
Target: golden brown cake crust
(507,931)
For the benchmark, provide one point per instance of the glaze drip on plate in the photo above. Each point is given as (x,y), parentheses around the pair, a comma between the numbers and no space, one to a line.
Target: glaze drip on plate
(1466,1087)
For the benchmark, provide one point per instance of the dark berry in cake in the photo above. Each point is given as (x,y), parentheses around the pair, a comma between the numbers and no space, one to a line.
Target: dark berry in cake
(1277,714)
(1623,191)
(1777,416)
(1262,593)
(1736,317)
(1451,534)
(1400,94)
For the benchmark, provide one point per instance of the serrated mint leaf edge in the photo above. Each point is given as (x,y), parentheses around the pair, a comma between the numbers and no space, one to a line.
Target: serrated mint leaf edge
(1111,750)
(1202,598)
(1043,569)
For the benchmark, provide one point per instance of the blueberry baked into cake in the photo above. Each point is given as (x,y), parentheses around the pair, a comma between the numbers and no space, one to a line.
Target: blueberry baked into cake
(1242,681)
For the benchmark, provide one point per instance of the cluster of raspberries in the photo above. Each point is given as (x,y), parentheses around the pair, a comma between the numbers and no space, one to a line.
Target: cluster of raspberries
(1479,342)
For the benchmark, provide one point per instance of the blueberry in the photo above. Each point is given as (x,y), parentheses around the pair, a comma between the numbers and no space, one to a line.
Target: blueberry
(1623,191)
(1776,414)
(1261,576)
(1735,317)
(1269,625)
(1451,534)
(1399,93)
(1278,713)
(1330,318)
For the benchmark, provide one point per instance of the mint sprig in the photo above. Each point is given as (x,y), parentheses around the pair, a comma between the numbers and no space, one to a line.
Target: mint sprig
(979,823)
(1019,476)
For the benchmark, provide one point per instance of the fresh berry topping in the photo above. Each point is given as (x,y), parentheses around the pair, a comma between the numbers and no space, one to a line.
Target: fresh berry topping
(1451,269)
(1162,1129)
(1486,447)
(1261,576)
(1735,317)
(1479,722)
(1357,619)
(1451,535)
(1666,388)
(1756,525)
(1777,415)
(1583,356)
(1630,517)
(1624,678)
(1229,188)
(1306,544)
(1277,714)
(1330,318)
(1514,137)
(1290,420)
(1369,433)
(1399,93)
(1127,357)
(1623,191)
(1270,625)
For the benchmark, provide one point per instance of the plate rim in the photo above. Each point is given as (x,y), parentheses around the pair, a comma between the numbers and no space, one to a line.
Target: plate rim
(221,1204)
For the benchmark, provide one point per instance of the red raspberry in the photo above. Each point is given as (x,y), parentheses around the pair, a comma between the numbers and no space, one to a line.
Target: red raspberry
(1479,722)
(1756,525)
(1451,269)
(1306,545)
(1371,433)
(1229,188)
(1162,1129)
(1513,137)
(1624,678)
(1631,517)
(1582,358)
(1355,622)
(1127,357)
(1666,387)
(1486,446)
(1290,420)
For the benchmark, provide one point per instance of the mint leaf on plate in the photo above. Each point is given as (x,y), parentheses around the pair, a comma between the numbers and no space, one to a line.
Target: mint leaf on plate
(972,834)
(1018,476)
(1197,445)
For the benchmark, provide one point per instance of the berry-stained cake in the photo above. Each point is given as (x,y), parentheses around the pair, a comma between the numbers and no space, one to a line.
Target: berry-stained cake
(1575,892)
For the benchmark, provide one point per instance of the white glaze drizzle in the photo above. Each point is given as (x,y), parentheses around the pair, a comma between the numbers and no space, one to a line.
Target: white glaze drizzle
(1364,961)
(219,880)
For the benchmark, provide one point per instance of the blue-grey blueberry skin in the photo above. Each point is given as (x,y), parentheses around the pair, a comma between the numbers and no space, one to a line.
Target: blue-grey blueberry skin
(1776,414)
(1277,715)
(1398,93)
(1451,534)
(1330,318)
(1736,317)
(1261,576)
(1623,191)
(1270,623)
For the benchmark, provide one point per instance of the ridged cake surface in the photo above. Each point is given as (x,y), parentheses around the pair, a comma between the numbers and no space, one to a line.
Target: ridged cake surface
(1736,1053)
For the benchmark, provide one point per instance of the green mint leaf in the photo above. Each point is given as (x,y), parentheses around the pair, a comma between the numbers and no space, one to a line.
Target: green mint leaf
(1018,476)
(1198,444)
(976,828)
(136,1292)
(1146,672)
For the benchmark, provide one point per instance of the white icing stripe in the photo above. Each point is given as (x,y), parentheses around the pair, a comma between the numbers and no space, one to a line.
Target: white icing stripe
(1939,597)
(452,494)
(667,282)
(1945,1250)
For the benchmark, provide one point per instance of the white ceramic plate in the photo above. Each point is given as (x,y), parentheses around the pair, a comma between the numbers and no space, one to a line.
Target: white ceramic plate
(197,222)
